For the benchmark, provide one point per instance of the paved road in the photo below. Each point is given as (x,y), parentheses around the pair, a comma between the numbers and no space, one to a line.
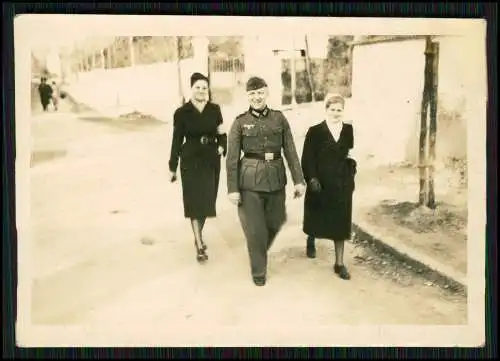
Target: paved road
(111,247)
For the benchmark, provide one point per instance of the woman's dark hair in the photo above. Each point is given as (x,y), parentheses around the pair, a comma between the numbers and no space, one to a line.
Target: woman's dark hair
(198,76)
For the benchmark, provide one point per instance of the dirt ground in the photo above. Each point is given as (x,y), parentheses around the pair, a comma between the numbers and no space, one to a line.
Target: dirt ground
(110,246)
(440,233)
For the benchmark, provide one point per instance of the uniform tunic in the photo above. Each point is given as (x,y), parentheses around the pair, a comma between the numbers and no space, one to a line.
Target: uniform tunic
(199,163)
(251,133)
(328,214)
(261,183)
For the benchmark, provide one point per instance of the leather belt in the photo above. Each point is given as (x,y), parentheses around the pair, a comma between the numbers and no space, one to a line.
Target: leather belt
(203,139)
(263,156)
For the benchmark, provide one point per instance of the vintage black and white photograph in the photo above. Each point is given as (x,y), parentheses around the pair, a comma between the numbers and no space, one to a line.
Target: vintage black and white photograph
(246,181)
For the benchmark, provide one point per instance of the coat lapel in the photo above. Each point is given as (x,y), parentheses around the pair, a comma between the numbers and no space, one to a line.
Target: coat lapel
(328,135)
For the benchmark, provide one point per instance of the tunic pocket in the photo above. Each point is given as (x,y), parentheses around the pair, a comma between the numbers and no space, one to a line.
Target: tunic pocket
(248,173)
(249,132)
(276,135)
(276,174)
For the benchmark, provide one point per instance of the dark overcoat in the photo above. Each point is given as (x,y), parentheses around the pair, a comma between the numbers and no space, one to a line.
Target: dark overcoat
(45,91)
(195,141)
(328,213)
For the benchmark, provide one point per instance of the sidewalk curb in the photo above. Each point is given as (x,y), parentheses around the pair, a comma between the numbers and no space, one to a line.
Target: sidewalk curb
(440,273)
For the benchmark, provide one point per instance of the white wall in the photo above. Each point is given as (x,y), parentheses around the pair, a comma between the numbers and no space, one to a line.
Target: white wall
(260,61)
(387,93)
(387,86)
(152,88)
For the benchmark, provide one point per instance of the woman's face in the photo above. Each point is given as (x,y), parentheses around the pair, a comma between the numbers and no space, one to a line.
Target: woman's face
(200,90)
(335,111)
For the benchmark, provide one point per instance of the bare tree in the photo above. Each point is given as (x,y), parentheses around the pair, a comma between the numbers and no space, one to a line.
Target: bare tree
(423,192)
(431,203)
(427,146)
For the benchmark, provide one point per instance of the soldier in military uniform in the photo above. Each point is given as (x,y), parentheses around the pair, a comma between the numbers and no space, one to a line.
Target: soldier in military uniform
(256,182)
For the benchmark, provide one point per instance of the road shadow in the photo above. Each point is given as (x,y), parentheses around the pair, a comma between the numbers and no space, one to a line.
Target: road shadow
(42,156)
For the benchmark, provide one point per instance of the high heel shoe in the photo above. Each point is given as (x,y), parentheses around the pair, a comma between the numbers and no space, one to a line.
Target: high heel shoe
(201,255)
(341,270)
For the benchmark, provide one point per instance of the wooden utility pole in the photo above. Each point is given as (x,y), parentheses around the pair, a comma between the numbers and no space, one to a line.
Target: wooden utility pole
(112,55)
(131,50)
(293,72)
(179,48)
(208,76)
(309,70)
(423,192)
(103,60)
(431,202)
(206,50)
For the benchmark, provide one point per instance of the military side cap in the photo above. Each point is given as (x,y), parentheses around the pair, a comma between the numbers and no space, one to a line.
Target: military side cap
(255,83)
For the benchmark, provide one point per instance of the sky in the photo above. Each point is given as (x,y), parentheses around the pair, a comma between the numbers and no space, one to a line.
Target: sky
(53,31)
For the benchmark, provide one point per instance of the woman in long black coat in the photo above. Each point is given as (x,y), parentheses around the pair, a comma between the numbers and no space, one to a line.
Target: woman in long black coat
(198,141)
(329,172)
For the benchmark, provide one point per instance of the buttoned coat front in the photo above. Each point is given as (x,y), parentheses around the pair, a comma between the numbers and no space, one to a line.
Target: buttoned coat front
(199,163)
(251,133)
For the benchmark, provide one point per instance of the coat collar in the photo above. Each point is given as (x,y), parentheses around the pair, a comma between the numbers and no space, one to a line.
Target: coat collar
(259,113)
(325,129)
(190,104)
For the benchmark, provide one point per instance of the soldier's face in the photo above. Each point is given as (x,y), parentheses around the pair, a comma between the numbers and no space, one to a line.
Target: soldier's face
(335,111)
(200,90)
(257,98)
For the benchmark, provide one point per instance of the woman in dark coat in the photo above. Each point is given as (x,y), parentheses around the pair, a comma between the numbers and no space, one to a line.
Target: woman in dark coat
(198,141)
(329,172)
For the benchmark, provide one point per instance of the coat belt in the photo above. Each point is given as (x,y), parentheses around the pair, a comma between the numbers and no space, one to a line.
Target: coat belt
(203,139)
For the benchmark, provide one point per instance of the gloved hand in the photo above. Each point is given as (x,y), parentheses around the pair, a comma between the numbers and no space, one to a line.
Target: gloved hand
(315,185)
(300,189)
(220,150)
(173,177)
(235,198)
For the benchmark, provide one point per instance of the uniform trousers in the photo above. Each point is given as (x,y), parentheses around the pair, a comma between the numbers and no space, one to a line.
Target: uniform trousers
(262,214)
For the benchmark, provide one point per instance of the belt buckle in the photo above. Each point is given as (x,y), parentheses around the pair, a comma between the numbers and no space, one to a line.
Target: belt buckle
(268,156)
(204,140)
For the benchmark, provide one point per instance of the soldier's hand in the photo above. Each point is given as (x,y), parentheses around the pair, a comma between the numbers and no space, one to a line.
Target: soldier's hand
(315,185)
(300,189)
(235,198)
(173,177)
(220,150)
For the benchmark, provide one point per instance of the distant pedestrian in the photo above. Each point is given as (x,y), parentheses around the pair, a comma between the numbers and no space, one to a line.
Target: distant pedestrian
(45,92)
(256,182)
(198,141)
(329,171)
(55,95)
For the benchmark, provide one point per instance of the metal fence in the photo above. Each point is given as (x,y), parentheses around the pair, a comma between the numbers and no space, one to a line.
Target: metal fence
(226,77)
(224,65)
(125,51)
